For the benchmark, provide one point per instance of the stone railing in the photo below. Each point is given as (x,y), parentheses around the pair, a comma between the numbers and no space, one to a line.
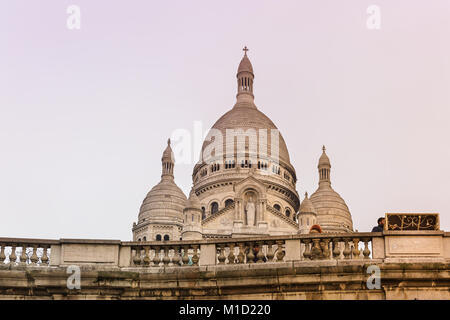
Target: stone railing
(389,246)
(160,254)
(24,252)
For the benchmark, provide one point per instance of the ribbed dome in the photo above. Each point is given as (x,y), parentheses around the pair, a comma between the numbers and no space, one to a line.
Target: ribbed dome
(332,211)
(246,116)
(307,206)
(165,200)
(326,197)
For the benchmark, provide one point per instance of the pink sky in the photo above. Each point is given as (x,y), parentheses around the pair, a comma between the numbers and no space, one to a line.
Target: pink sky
(85,114)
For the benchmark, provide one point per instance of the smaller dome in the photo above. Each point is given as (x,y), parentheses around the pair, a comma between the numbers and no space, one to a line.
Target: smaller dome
(324,160)
(193,202)
(164,200)
(245,65)
(307,206)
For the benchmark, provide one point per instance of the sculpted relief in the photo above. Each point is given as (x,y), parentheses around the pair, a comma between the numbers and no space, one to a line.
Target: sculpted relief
(250,209)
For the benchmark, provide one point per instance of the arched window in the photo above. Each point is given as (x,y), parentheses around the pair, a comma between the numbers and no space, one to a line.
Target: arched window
(288,213)
(166,237)
(214,207)
(203,213)
(158,237)
(277,207)
(139,239)
(144,239)
(228,202)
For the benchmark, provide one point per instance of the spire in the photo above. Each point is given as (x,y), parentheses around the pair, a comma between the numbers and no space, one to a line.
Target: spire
(324,169)
(168,161)
(245,78)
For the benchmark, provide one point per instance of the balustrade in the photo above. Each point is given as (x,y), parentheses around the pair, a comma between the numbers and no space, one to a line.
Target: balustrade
(21,253)
(325,247)
(149,255)
(33,252)
(245,251)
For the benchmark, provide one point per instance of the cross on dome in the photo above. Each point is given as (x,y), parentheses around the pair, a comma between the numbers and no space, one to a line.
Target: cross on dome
(245,50)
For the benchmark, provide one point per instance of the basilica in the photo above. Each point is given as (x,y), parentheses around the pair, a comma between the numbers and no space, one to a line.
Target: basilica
(240,192)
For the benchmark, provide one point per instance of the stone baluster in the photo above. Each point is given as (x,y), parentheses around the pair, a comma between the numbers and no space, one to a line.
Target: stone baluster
(260,254)
(336,249)
(23,257)
(280,250)
(195,257)
(356,251)
(250,255)
(221,258)
(157,258)
(346,251)
(231,256)
(322,249)
(2,253)
(316,251)
(146,261)
(176,256)
(326,249)
(166,259)
(185,258)
(366,251)
(34,257)
(241,254)
(12,256)
(270,255)
(137,256)
(44,258)
(307,253)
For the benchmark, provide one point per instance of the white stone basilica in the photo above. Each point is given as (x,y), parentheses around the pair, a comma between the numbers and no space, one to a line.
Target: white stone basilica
(240,194)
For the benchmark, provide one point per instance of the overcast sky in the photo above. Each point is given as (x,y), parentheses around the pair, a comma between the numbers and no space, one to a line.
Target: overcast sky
(85,114)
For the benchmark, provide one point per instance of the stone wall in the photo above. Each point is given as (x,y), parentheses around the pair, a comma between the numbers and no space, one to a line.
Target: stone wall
(412,265)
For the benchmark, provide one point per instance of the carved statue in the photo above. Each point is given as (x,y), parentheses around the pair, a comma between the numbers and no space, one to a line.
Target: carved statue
(251,213)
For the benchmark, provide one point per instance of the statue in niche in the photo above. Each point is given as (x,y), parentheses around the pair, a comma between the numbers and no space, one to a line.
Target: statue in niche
(251,212)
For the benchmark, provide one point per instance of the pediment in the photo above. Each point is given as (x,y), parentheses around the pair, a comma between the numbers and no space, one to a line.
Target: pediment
(221,220)
(277,219)
(249,182)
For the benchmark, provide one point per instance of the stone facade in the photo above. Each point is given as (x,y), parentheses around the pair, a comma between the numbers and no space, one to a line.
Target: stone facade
(244,183)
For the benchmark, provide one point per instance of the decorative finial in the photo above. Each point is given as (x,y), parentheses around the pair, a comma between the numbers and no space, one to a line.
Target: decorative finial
(168,142)
(323,148)
(306,194)
(245,50)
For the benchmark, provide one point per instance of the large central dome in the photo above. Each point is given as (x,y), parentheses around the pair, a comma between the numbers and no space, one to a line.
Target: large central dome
(246,116)
(247,123)
(244,142)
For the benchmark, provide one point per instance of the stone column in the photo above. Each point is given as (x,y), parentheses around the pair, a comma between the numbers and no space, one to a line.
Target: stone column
(261,222)
(238,221)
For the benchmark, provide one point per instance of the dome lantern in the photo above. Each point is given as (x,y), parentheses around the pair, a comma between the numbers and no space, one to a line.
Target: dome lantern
(324,168)
(168,161)
(245,78)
